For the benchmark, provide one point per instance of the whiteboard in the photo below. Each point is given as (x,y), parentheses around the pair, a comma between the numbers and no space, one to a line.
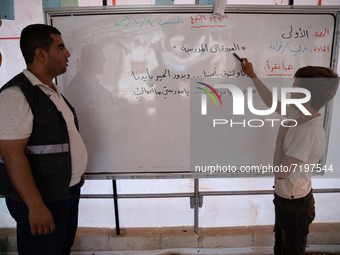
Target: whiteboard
(333,160)
(129,78)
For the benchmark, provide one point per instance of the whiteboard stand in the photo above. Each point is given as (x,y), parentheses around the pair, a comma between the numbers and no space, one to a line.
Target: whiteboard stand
(99,20)
(196,198)
(115,205)
(197,204)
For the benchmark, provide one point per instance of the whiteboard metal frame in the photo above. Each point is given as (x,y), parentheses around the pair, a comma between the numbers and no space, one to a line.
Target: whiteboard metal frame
(197,8)
(121,9)
(334,67)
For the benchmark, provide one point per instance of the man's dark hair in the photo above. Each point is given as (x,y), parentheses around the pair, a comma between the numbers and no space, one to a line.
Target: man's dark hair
(322,83)
(36,36)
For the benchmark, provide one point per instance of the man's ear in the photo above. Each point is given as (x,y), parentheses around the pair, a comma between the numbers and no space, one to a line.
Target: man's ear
(41,55)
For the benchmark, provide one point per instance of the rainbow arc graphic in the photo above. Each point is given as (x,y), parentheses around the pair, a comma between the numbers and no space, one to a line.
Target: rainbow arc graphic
(208,92)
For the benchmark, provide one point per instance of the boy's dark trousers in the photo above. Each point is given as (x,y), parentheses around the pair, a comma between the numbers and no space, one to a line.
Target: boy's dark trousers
(292,220)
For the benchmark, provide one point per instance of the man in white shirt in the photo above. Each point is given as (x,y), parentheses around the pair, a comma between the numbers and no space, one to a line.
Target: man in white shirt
(42,155)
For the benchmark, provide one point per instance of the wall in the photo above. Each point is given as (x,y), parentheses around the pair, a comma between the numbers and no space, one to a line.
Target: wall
(216,211)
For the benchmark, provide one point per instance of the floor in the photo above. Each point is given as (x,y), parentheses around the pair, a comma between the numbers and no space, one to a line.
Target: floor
(267,250)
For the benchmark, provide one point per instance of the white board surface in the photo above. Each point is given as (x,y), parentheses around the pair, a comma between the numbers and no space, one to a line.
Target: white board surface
(129,77)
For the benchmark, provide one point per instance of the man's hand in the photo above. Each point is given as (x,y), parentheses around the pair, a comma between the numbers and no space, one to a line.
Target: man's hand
(41,220)
(82,182)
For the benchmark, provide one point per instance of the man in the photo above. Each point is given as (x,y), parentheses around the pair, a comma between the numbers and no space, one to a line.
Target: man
(43,157)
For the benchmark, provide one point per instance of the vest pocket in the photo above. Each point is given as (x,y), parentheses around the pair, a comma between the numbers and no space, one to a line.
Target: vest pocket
(45,126)
(47,175)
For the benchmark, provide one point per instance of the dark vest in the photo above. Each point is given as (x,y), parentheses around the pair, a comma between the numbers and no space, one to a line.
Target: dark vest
(48,148)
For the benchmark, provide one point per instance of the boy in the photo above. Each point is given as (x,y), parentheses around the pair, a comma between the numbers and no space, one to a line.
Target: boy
(298,147)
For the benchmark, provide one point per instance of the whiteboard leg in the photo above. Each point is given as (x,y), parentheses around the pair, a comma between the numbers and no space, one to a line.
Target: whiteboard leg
(196,204)
(115,204)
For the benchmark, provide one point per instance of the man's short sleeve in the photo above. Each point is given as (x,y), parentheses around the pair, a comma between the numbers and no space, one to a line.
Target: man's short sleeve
(16,118)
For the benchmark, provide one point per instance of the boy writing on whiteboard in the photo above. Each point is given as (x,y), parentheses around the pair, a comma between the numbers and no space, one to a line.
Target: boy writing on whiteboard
(298,147)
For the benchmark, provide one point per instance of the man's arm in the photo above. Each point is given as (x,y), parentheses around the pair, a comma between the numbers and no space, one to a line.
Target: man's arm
(19,170)
(265,94)
(280,159)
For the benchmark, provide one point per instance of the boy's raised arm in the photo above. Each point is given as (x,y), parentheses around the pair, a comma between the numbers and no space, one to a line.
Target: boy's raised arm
(265,94)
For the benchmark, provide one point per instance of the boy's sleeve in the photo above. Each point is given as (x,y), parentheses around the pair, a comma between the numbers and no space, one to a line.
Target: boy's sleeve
(302,145)
(16,117)
(292,113)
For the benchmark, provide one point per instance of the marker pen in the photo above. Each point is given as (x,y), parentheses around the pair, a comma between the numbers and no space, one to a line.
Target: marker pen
(236,56)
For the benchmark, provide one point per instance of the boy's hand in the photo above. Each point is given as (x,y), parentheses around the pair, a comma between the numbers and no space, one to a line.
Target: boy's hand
(247,68)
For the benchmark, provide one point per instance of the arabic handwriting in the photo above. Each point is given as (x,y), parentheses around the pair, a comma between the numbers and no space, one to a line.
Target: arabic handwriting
(128,19)
(223,74)
(141,22)
(324,48)
(145,77)
(296,34)
(166,74)
(145,20)
(321,34)
(199,17)
(160,77)
(215,19)
(181,76)
(279,69)
(222,48)
(278,46)
(196,18)
(299,50)
(179,20)
(123,20)
(289,35)
(282,47)
(214,22)
(161,92)
(217,48)
(273,67)
(163,75)
(149,91)
(287,68)
(203,48)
